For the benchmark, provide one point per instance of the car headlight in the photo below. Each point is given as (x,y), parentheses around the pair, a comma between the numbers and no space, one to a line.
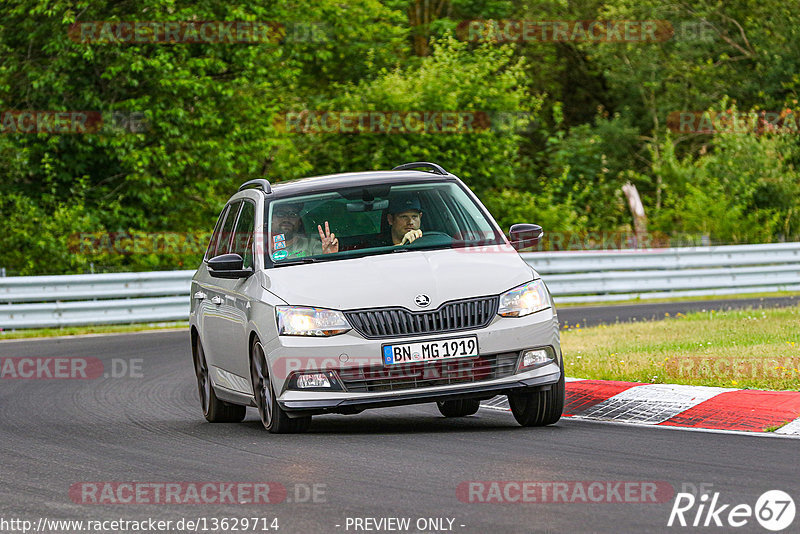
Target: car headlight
(524,300)
(302,321)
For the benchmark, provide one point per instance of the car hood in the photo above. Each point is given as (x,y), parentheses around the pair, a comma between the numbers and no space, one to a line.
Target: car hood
(396,279)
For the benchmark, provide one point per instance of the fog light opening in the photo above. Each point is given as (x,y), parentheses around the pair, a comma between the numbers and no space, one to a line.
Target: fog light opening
(313,380)
(535,358)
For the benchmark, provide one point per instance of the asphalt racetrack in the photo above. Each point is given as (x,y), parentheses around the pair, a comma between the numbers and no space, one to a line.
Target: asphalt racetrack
(407,462)
(594,315)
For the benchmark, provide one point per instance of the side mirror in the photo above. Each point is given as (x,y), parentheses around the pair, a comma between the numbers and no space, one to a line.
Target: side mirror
(525,235)
(228,266)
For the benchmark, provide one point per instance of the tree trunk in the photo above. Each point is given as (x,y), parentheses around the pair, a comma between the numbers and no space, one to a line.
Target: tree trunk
(420,15)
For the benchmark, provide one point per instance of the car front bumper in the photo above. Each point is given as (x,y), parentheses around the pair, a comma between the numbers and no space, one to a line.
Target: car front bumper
(503,335)
(352,403)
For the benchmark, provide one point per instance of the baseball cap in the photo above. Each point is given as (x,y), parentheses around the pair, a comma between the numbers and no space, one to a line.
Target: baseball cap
(404,202)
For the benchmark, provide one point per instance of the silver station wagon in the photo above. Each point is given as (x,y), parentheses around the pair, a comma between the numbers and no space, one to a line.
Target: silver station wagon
(334,294)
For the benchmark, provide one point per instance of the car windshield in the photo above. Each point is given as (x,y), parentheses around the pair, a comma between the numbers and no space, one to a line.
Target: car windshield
(376,219)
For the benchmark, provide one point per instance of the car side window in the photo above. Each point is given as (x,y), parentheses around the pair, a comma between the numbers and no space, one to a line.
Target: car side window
(212,245)
(226,235)
(243,236)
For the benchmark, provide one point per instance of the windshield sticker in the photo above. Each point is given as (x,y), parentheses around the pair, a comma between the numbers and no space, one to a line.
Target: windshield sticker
(278,238)
(280,244)
(279,255)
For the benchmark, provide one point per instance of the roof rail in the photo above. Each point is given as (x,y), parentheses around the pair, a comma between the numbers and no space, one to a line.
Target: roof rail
(260,183)
(437,169)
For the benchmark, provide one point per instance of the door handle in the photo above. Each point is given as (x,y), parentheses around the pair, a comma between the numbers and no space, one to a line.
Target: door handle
(216,300)
(200,295)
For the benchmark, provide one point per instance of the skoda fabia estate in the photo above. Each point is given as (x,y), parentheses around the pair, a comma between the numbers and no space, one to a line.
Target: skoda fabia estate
(334,294)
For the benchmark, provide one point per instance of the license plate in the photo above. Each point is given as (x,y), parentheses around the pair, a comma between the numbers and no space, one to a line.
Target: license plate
(425,351)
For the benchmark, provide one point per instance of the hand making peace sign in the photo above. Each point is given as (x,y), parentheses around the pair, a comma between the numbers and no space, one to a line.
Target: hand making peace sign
(329,242)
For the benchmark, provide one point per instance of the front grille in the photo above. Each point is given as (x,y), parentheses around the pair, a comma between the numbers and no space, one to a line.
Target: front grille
(428,374)
(449,317)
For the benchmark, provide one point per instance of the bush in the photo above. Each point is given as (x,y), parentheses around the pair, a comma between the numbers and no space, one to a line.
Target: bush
(743,190)
(452,78)
(592,163)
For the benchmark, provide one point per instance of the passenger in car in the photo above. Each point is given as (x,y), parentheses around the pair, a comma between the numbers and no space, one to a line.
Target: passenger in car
(287,232)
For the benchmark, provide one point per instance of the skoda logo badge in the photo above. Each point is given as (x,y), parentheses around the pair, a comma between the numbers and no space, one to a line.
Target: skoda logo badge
(422,300)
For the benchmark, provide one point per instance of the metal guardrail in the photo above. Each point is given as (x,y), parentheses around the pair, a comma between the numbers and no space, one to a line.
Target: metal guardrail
(94,286)
(604,276)
(663,258)
(584,276)
(82,299)
(114,311)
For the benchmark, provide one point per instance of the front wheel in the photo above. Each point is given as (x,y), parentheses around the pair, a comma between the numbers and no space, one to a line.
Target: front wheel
(272,416)
(458,408)
(214,410)
(539,408)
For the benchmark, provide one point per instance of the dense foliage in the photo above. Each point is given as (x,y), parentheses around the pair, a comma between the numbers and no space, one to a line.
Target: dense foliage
(570,122)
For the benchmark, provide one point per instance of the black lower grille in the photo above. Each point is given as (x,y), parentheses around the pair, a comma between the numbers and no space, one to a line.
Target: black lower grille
(428,374)
(449,317)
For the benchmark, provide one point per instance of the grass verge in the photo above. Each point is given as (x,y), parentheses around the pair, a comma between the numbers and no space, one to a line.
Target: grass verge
(757,349)
(83,330)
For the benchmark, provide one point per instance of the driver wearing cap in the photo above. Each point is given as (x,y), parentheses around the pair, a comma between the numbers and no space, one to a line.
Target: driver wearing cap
(404,217)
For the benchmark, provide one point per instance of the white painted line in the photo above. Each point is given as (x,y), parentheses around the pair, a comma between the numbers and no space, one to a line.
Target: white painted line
(651,403)
(501,401)
(792,429)
(683,428)
(581,419)
(496,408)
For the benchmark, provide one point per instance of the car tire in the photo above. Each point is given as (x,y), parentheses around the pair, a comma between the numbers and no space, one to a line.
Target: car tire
(271,414)
(458,408)
(214,410)
(539,408)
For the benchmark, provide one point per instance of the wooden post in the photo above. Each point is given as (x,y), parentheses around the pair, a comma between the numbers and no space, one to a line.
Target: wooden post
(637,210)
